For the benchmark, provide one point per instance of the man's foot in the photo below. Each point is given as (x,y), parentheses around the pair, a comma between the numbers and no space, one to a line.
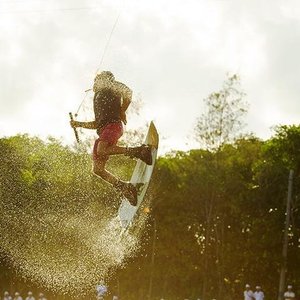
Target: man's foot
(128,190)
(143,153)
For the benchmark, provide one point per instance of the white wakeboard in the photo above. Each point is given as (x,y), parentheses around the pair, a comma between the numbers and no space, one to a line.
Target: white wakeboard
(142,174)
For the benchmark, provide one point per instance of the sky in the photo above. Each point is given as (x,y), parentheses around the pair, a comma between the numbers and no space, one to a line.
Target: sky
(172,53)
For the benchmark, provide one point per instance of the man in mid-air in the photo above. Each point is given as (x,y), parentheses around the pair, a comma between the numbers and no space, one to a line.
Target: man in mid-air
(111,101)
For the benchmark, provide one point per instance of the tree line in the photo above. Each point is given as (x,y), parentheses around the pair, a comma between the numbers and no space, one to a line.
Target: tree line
(216,213)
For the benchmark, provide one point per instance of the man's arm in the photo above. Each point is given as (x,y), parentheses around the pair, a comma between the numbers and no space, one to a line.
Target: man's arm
(126,94)
(87,125)
(125,104)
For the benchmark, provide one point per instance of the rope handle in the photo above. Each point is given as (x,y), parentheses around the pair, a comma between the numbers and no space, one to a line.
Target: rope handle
(75,130)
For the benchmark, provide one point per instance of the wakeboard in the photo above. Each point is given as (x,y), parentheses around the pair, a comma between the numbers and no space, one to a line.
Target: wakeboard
(141,177)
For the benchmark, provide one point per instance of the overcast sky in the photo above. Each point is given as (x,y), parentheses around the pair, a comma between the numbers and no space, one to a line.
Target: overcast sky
(172,53)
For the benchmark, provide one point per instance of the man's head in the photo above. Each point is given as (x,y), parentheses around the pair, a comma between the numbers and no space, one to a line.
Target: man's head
(105,75)
(6,294)
(247,286)
(105,78)
(290,287)
(29,294)
(258,288)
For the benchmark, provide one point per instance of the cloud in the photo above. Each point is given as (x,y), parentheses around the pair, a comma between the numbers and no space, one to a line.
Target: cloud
(173,55)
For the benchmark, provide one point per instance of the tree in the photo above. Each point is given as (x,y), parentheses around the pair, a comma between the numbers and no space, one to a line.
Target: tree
(218,126)
(222,121)
(219,218)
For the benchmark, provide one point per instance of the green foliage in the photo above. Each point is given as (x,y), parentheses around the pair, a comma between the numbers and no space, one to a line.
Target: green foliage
(222,121)
(219,214)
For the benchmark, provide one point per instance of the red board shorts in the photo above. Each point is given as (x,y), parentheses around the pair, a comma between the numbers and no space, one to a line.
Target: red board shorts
(110,133)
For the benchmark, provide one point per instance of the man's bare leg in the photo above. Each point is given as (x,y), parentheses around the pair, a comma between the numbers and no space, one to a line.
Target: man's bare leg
(126,188)
(99,170)
(105,149)
(142,152)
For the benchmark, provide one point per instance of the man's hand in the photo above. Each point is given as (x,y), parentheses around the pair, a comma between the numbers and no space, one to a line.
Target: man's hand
(123,117)
(74,124)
